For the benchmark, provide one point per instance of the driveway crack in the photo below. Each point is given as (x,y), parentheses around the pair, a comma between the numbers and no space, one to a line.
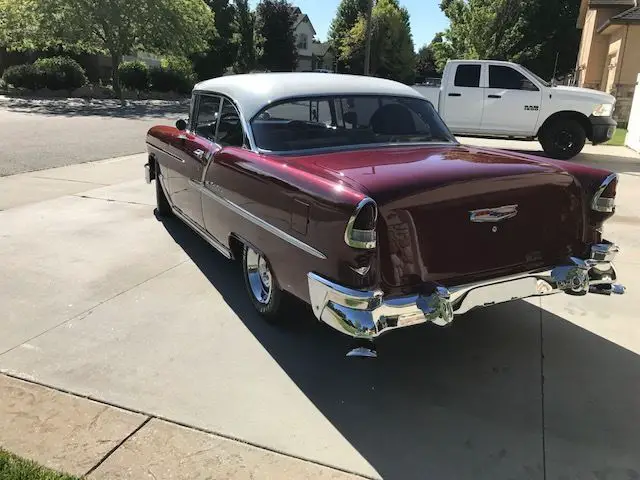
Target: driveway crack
(544,446)
(114,200)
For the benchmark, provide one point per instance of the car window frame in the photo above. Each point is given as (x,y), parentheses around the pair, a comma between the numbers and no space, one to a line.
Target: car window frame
(193,121)
(256,148)
(247,144)
(535,87)
(479,65)
(245,136)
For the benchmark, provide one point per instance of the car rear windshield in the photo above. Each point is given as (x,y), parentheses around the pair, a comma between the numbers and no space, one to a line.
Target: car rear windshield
(343,121)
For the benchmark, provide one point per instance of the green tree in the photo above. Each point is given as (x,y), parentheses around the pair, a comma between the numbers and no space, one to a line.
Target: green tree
(244,38)
(275,41)
(530,32)
(116,27)
(222,49)
(347,15)
(425,63)
(392,54)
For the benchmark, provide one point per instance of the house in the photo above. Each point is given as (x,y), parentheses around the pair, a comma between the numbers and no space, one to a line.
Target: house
(312,55)
(609,57)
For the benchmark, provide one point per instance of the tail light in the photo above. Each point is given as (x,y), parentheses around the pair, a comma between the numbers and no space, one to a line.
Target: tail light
(604,199)
(361,229)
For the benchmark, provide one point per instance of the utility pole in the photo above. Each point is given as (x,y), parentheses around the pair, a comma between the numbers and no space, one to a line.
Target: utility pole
(367,49)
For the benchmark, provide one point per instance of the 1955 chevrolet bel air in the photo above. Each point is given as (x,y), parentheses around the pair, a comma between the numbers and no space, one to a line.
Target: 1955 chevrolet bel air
(350,193)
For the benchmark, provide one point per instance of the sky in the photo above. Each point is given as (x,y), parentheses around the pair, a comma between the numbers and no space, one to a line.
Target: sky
(426,17)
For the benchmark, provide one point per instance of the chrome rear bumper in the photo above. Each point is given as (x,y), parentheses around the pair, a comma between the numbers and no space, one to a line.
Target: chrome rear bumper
(367,314)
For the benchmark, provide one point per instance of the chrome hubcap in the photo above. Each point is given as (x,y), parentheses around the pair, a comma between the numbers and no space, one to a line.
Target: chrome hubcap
(259,276)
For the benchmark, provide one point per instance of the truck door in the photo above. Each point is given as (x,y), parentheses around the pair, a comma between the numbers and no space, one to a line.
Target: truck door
(511,103)
(464,100)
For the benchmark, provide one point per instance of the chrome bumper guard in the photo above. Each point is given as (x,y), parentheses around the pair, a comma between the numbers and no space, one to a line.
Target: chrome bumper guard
(367,314)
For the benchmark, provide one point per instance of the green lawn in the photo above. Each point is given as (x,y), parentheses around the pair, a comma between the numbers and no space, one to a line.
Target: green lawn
(16,468)
(618,137)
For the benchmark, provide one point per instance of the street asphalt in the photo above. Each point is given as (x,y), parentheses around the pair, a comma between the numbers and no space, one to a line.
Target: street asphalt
(101,299)
(37,134)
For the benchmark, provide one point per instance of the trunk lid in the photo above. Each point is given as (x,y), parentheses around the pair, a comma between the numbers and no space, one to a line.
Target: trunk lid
(455,215)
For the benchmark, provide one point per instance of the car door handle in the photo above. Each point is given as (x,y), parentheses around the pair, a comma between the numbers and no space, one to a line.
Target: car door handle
(495,96)
(455,94)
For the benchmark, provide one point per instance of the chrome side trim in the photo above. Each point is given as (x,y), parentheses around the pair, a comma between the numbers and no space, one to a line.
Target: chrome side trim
(348,232)
(604,205)
(193,225)
(258,221)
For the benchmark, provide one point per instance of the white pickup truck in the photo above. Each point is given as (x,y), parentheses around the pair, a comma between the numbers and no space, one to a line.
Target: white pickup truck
(502,99)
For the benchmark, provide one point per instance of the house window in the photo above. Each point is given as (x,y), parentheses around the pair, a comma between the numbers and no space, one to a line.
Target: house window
(302,41)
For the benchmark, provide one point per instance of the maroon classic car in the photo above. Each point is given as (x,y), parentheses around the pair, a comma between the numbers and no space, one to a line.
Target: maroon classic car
(351,194)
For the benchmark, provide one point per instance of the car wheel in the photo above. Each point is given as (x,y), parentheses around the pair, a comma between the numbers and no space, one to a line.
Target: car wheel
(163,208)
(563,139)
(261,283)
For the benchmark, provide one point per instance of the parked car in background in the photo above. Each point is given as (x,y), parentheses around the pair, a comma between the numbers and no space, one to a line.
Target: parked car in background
(351,194)
(503,99)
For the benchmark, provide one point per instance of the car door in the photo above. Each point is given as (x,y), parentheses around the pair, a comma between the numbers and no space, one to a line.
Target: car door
(511,103)
(195,147)
(463,101)
(229,133)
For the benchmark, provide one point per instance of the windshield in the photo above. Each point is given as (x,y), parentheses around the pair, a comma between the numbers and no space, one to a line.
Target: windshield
(343,121)
(544,82)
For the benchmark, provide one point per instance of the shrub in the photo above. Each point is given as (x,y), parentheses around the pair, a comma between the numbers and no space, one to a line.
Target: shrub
(61,73)
(174,74)
(134,75)
(24,76)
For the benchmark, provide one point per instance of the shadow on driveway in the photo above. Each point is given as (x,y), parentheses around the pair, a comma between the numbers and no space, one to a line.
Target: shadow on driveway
(88,107)
(462,402)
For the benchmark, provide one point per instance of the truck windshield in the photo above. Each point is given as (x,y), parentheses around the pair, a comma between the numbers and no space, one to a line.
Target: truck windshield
(343,121)
(544,82)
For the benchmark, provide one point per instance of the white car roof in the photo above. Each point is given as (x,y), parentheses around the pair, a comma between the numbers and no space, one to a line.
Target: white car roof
(253,91)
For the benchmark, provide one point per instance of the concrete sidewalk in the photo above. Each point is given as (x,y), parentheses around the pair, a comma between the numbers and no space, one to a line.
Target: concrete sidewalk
(150,331)
(84,437)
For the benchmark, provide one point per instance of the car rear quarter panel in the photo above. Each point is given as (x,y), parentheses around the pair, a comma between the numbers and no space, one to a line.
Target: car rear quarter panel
(310,204)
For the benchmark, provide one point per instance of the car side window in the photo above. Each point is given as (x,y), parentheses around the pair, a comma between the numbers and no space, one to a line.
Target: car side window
(506,77)
(467,76)
(230,132)
(207,116)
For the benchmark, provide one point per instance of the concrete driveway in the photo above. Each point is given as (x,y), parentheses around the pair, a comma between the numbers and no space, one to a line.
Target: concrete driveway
(102,299)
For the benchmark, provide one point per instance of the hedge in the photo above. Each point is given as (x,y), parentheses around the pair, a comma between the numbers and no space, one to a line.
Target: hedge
(24,76)
(174,74)
(55,73)
(134,75)
(61,73)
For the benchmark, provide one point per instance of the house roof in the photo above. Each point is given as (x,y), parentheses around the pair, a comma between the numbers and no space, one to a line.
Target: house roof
(629,16)
(302,17)
(252,92)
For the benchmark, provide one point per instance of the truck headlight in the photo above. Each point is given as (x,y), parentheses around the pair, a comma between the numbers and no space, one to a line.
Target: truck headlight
(603,110)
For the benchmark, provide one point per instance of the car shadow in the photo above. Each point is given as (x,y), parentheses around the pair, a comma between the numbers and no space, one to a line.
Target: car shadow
(460,402)
(97,107)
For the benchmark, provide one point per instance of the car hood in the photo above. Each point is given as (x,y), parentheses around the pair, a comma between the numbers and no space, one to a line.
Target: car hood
(583,93)
(393,172)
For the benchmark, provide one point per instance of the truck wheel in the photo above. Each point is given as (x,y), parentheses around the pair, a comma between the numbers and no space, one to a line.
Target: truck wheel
(163,208)
(563,139)
(261,284)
